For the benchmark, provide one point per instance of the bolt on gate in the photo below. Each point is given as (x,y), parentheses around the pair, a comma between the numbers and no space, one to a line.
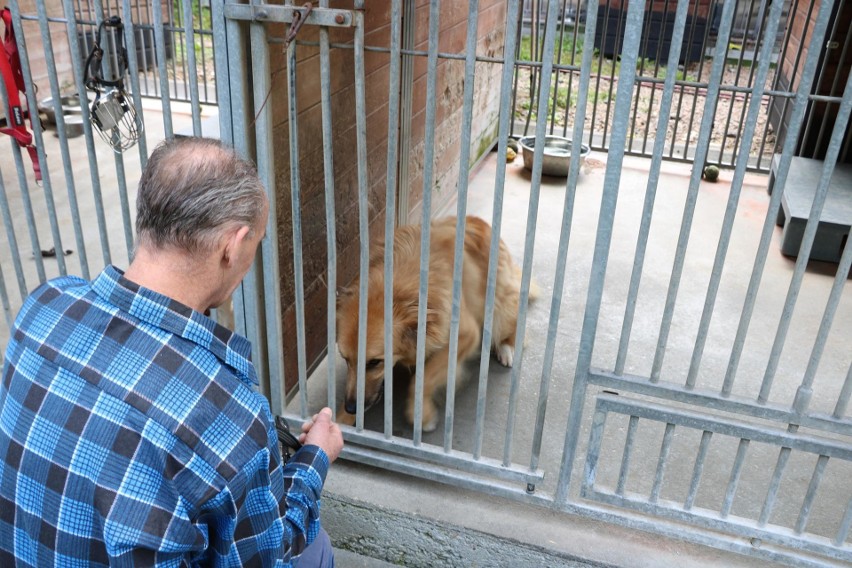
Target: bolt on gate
(674,376)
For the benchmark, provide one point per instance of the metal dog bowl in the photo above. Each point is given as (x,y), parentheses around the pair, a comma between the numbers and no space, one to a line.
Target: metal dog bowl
(557,154)
(69,105)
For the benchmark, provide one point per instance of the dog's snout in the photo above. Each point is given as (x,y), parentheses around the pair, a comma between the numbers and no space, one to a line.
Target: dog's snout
(350,406)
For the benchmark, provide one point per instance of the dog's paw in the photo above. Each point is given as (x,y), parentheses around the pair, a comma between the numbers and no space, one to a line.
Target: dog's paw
(506,355)
(430,425)
(430,417)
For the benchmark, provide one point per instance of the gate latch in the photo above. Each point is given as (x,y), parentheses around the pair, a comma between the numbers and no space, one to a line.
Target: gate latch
(298,19)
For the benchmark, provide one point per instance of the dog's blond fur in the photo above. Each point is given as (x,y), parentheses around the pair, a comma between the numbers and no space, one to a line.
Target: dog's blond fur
(406,283)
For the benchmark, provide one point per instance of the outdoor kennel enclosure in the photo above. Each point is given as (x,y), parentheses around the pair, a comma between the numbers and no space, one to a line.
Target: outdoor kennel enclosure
(660,382)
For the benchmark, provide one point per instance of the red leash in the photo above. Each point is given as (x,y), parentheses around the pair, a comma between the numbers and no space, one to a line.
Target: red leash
(10,68)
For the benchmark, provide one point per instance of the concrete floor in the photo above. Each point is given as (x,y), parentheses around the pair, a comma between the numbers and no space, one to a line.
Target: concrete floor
(834,492)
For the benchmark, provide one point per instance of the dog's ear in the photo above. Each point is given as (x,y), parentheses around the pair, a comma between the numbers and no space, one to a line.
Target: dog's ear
(405,322)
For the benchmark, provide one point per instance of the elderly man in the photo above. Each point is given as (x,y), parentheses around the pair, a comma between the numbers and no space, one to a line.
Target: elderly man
(131,432)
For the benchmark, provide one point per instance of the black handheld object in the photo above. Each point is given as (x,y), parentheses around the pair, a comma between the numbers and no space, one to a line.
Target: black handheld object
(289,443)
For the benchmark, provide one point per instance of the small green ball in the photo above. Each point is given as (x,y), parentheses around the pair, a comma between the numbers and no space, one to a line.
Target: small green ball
(711,173)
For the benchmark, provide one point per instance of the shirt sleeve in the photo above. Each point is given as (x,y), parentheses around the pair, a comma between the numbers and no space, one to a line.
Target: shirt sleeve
(273,517)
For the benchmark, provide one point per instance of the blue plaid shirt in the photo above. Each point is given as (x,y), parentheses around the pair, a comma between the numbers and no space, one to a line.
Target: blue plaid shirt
(131,433)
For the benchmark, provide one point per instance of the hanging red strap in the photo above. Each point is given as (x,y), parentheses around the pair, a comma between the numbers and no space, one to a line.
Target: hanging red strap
(13,77)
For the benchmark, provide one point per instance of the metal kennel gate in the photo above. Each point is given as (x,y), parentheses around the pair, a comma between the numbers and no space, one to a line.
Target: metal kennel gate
(641,424)
(607,403)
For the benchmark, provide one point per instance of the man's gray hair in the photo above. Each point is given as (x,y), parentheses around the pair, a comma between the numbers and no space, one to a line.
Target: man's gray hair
(191,190)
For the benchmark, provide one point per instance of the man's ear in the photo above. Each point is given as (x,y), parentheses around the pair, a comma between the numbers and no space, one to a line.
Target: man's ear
(233,245)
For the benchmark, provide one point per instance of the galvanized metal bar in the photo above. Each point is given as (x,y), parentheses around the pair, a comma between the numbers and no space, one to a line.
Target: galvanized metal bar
(133,68)
(651,187)
(781,414)
(461,212)
(428,179)
(736,473)
(363,207)
(837,26)
(406,99)
(808,237)
(532,218)
(160,44)
(632,425)
(606,218)
(698,469)
(245,301)
(562,251)
(808,502)
(805,390)
(694,183)
(727,427)
(23,186)
(189,37)
(665,448)
(94,175)
(124,200)
(10,231)
(180,38)
(330,216)
(764,57)
(795,124)
(555,97)
(321,16)
(785,44)
(600,60)
(262,82)
(56,95)
(4,297)
(38,139)
(739,66)
(142,15)
(401,447)
(112,68)
(797,550)
(202,33)
(658,58)
(843,397)
(220,61)
(845,526)
(594,451)
(296,214)
(774,484)
(394,81)
(505,126)
(535,78)
(514,19)
(676,123)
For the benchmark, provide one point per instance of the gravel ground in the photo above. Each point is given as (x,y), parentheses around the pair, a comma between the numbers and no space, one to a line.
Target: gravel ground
(688,106)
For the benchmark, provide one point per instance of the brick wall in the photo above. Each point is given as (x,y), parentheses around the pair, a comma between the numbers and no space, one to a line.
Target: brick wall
(448,133)
(830,80)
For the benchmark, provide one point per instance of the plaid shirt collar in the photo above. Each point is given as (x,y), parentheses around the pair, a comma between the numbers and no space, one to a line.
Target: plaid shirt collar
(161,311)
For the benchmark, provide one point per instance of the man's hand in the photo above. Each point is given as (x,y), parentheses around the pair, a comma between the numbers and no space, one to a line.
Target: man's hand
(321,431)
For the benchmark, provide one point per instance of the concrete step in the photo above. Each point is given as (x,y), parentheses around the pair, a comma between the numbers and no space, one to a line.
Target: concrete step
(349,559)
(367,535)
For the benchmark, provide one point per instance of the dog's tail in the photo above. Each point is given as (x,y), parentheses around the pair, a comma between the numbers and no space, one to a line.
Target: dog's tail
(535,289)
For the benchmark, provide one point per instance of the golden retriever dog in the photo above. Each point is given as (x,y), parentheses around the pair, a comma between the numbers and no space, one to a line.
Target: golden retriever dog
(406,271)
